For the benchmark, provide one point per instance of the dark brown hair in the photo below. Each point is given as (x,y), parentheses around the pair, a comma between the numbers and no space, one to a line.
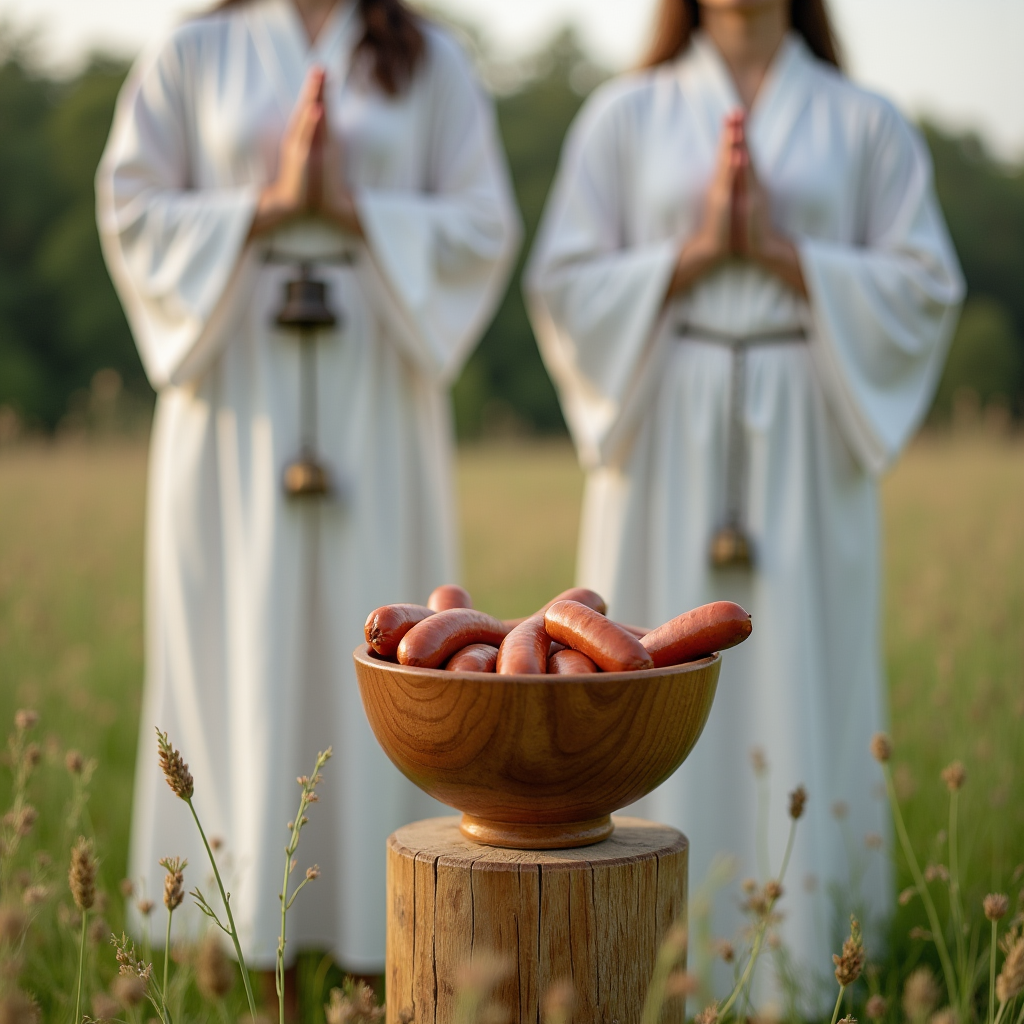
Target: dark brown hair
(393,42)
(675,21)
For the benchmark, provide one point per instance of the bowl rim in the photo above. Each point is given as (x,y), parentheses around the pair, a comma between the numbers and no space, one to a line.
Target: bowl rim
(361,654)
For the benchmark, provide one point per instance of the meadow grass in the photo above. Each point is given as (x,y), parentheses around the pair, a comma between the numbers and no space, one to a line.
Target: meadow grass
(71,586)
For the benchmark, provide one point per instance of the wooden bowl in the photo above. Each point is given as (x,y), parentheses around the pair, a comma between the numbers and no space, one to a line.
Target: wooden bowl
(536,762)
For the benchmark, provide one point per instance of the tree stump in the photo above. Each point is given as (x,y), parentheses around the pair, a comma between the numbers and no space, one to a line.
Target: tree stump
(594,916)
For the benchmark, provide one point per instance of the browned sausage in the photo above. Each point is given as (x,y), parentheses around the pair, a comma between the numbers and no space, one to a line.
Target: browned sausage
(698,633)
(448,595)
(474,658)
(610,646)
(525,650)
(567,662)
(385,626)
(588,597)
(433,641)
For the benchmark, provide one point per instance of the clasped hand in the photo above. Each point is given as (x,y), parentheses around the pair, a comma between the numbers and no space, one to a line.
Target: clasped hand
(310,176)
(736,222)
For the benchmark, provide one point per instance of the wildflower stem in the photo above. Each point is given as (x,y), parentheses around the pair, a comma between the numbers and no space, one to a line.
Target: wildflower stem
(748,970)
(839,1000)
(955,907)
(231,930)
(921,886)
(789,849)
(167,958)
(81,970)
(992,974)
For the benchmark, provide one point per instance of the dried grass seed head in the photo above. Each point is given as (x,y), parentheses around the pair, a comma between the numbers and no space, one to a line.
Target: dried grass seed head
(105,1007)
(724,949)
(877,1007)
(13,922)
(25,819)
(558,1001)
(1010,982)
(25,719)
(954,776)
(145,907)
(920,994)
(174,881)
(82,874)
(758,761)
(33,755)
(996,904)
(881,747)
(215,975)
(358,1006)
(174,768)
(947,1015)
(681,984)
(18,1008)
(709,1015)
(850,962)
(313,873)
(74,762)
(129,990)
(797,803)
(34,895)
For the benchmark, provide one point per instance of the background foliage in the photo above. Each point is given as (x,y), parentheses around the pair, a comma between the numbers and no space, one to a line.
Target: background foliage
(60,321)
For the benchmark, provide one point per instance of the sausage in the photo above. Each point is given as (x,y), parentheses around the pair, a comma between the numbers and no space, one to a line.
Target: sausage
(385,626)
(432,641)
(588,597)
(525,650)
(698,633)
(567,662)
(449,595)
(611,647)
(474,658)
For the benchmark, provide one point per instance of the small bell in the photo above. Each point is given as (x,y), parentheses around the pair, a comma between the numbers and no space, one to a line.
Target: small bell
(306,478)
(305,303)
(731,548)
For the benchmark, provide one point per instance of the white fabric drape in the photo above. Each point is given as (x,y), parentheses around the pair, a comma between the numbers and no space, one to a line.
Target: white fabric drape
(647,401)
(255,602)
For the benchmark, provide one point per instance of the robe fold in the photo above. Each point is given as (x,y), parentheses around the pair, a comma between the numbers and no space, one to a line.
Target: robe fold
(822,413)
(254,601)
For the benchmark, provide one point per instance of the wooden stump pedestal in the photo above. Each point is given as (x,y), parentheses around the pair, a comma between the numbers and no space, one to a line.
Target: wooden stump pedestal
(593,916)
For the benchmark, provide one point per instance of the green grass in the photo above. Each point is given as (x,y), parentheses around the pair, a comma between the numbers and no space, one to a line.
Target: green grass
(71,545)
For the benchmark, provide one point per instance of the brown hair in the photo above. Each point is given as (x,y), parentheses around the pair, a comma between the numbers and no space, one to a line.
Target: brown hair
(393,42)
(675,21)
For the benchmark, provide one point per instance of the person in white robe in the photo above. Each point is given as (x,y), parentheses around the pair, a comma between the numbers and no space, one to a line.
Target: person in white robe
(255,601)
(790,213)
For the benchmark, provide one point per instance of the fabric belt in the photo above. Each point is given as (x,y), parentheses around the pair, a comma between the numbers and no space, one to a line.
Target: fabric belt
(736,449)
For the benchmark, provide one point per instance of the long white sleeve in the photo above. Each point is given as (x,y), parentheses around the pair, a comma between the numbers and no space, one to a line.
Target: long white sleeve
(884,311)
(595,296)
(173,248)
(442,256)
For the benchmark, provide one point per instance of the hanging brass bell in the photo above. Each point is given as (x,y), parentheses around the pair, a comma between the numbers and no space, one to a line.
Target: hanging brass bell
(305,304)
(306,478)
(731,548)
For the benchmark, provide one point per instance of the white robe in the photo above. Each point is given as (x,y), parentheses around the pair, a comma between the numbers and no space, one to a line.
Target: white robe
(254,601)
(850,182)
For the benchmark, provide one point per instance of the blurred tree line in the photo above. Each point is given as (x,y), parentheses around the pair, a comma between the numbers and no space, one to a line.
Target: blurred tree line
(62,330)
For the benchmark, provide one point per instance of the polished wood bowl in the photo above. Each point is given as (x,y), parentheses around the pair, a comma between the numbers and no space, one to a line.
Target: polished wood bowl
(536,762)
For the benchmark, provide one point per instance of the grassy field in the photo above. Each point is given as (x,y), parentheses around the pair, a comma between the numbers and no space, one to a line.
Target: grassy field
(71,536)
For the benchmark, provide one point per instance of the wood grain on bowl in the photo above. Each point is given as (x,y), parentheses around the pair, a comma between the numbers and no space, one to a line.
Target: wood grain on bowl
(538,761)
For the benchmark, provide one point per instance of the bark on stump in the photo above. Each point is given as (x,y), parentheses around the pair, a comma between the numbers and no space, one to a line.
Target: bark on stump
(594,916)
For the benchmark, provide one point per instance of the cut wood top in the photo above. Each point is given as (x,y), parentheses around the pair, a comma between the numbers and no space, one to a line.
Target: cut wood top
(440,839)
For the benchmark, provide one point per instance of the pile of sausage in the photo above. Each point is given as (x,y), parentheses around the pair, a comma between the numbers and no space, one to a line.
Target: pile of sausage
(570,635)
